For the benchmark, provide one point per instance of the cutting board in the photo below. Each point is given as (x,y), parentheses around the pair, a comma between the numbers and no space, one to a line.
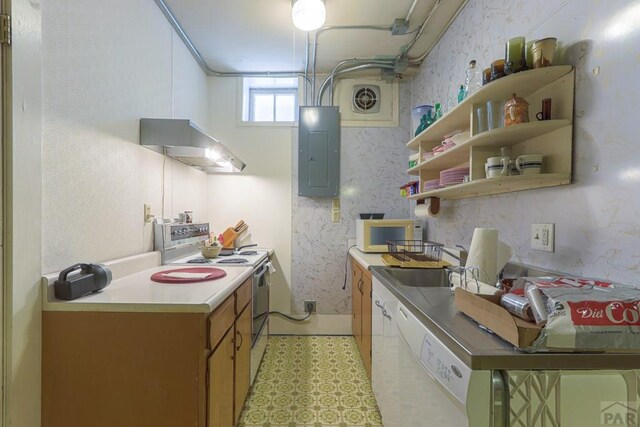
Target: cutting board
(391,261)
(188,275)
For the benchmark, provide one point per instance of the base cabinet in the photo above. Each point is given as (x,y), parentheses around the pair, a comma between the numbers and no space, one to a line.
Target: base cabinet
(230,363)
(106,369)
(242,359)
(361,311)
(220,412)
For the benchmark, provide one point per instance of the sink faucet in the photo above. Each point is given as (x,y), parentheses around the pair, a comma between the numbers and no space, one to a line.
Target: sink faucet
(462,258)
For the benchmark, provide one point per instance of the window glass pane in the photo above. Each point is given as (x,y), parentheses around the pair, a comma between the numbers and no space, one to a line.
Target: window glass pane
(263,108)
(285,108)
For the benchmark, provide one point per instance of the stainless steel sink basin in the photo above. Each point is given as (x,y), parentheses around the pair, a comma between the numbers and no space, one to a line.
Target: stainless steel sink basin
(418,277)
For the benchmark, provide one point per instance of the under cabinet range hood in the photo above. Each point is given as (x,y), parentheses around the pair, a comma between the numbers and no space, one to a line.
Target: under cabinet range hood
(182,140)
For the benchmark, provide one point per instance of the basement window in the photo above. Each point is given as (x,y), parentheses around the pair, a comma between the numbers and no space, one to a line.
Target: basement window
(270,100)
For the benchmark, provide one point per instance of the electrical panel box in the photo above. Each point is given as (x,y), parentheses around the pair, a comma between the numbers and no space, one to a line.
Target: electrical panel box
(319,152)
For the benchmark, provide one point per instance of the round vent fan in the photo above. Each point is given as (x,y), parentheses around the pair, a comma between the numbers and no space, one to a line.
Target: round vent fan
(366,99)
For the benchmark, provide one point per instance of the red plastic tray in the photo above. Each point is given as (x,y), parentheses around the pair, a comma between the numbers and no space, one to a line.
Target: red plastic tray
(214,274)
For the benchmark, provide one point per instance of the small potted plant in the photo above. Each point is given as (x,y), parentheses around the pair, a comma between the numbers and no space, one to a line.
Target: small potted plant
(211,248)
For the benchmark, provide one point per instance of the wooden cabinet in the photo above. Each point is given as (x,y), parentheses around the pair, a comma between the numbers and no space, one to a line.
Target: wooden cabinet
(220,412)
(242,359)
(551,138)
(356,300)
(230,362)
(147,369)
(361,307)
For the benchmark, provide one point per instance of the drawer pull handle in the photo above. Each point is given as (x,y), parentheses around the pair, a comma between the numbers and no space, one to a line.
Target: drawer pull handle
(403,314)
(241,340)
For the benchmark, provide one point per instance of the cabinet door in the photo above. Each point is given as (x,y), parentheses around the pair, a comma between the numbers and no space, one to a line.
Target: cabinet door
(377,325)
(356,301)
(385,367)
(365,346)
(221,383)
(243,358)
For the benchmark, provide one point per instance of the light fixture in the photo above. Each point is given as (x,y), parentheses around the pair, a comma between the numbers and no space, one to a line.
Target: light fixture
(308,15)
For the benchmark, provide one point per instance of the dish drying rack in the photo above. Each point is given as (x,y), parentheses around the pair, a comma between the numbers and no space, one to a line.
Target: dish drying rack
(414,254)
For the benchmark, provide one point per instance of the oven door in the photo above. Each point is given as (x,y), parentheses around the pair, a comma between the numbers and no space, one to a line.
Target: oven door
(260,299)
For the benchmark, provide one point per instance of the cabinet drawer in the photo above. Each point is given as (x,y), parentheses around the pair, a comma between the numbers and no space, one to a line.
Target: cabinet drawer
(220,321)
(243,295)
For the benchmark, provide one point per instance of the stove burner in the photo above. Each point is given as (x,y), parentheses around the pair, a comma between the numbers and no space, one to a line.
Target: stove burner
(199,260)
(248,253)
(233,261)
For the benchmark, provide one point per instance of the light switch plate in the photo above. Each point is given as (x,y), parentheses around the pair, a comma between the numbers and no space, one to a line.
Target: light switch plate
(147,213)
(543,237)
(335,209)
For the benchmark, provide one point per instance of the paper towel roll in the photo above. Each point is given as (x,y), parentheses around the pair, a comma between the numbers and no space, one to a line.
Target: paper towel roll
(425,211)
(483,253)
(504,255)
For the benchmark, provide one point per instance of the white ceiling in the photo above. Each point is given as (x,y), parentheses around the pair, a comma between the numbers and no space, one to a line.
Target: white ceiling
(258,35)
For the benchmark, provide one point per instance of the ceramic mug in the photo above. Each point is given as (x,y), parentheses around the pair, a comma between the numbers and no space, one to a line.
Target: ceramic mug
(529,164)
(497,167)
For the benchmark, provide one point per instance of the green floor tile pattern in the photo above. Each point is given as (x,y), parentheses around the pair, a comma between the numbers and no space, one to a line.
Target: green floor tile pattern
(311,381)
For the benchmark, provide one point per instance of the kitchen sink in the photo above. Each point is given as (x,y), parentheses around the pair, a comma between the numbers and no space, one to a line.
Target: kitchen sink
(418,277)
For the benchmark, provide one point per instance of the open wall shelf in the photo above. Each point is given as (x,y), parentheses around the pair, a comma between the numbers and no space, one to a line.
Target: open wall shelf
(551,138)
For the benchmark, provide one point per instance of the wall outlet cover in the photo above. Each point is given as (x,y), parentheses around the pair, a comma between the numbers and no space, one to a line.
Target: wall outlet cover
(543,237)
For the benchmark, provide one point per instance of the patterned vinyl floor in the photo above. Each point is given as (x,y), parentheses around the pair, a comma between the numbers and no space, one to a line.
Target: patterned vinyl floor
(311,381)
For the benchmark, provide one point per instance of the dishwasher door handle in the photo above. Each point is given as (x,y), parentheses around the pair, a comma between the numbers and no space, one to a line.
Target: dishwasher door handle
(500,398)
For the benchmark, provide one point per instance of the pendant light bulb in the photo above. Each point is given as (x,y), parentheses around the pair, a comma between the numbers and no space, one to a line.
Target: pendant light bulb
(308,15)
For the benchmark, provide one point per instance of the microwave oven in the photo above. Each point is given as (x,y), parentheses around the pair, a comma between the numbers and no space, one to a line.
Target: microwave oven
(372,234)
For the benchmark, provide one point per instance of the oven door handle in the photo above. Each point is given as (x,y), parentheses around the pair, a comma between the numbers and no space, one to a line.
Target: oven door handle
(257,276)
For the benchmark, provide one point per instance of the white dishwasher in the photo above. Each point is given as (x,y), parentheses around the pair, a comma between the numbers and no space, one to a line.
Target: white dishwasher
(434,382)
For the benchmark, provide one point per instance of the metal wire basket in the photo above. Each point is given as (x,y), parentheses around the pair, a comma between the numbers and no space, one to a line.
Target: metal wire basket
(418,250)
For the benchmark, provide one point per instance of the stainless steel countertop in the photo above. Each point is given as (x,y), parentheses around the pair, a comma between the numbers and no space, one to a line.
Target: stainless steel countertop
(480,349)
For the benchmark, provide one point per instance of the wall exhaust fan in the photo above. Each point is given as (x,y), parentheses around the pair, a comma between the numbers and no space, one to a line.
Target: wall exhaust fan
(366,99)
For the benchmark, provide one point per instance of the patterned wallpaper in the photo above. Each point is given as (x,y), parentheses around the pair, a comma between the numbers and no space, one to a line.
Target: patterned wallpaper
(597,226)
(373,163)
(596,217)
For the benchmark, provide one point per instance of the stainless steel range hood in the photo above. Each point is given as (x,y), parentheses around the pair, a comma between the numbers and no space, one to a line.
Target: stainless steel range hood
(182,140)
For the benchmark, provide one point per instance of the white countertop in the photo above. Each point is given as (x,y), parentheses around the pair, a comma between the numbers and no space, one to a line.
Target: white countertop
(367,260)
(364,259)
(133,291)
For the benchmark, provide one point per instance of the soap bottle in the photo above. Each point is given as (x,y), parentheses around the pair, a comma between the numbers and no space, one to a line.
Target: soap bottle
(473,79)
(461,94)
(438,112)
(422,126)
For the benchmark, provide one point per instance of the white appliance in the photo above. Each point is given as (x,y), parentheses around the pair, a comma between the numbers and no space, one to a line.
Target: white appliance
(385,366)
(430,373)
(179,244)
(372,234)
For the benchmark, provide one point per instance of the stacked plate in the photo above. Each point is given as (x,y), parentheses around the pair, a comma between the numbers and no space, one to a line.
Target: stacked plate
(432,184)
(453,176)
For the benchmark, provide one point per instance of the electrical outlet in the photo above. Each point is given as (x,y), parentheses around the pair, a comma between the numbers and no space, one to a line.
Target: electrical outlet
(335,209)
(543,237)
(310,306)
(147,213)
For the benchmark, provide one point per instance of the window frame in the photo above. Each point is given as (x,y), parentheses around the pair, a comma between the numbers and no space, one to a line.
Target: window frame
(241,91)
(275,91)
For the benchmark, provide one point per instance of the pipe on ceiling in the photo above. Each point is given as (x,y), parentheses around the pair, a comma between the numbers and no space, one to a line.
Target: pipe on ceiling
(200,60)
(413,6)
(330,79)
(418,59)
(412,43)
(330,28)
